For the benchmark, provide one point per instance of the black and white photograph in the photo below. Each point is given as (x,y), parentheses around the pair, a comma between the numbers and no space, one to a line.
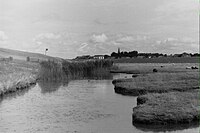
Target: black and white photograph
(99,66)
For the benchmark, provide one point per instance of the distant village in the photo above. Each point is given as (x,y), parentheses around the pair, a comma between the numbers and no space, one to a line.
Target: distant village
(134,54)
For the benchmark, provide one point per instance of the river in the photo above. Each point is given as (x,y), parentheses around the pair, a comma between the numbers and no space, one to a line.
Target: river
(77,106)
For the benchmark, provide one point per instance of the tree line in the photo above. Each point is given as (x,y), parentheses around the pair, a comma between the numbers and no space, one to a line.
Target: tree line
(134,54)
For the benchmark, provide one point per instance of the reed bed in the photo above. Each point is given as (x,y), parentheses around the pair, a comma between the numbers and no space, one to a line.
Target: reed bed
(51,70)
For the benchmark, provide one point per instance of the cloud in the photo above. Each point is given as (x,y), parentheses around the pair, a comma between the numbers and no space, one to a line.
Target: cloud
(47,36)
(132,38)
(59,44)
(177,45)
(177,18)
(126,39)
(3,36)
(99,38)
(83,47)
(175,7)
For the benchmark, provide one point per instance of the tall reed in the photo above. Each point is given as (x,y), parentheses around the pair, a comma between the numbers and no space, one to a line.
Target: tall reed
(51,70)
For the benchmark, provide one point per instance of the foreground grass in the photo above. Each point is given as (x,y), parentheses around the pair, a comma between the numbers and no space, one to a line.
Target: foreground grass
(167,108)
(17,75)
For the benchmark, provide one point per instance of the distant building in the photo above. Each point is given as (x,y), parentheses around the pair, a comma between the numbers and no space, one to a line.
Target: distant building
(101,57)
(160,56)
(177,55)
(185,55)
(34,59)
(6,59)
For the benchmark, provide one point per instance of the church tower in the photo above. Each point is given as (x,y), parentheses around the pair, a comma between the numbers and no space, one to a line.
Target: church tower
(119,51)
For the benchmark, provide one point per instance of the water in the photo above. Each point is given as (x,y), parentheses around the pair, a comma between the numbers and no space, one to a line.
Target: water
(78,106)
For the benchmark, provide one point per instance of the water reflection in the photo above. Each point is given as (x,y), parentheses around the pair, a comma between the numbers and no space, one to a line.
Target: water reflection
(100,76)
(51,86)
(166,128)
(97,75)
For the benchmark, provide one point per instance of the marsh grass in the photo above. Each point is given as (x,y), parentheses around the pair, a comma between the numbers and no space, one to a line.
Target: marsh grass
(167,108)
(159,82)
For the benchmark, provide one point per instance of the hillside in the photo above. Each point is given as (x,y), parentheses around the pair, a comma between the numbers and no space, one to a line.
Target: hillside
(21,55)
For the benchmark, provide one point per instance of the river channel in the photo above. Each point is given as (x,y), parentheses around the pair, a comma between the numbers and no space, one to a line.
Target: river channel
(77,106)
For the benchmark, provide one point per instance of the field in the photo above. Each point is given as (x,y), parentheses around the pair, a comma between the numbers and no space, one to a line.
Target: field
(159,60)
(21,55)
(17,75)
(167,96)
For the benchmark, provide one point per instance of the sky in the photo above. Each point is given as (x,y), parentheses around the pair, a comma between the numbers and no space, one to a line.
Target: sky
(70,28)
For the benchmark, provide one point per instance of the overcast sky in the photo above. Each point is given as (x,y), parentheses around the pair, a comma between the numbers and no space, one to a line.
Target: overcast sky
(79,27)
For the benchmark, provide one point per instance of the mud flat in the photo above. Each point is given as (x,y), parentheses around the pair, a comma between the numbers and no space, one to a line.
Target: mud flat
(167,108)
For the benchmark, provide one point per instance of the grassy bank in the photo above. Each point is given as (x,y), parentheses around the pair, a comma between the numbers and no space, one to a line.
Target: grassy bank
(167,108)
(17,75)
(168,78)
(75,69)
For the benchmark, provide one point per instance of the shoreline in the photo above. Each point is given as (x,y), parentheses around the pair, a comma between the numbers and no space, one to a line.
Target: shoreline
(21,85)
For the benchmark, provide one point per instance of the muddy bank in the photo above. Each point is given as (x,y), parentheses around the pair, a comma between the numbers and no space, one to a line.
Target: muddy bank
(167,108)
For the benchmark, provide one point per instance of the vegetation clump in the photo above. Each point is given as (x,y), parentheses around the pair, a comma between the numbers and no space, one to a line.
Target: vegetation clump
(167,108)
